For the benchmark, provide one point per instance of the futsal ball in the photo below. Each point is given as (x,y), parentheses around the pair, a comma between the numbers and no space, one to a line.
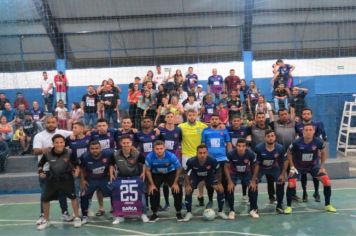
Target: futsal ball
(209,214)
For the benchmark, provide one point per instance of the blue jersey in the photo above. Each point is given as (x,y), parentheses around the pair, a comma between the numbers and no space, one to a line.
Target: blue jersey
(216,83)
(270,159)
(284,71)
(192,80)
(306,156)
(206,170)
(37,114)
(216,140)
(241,164)
(121,133)
(318,127)
(97,168)
(209,109)
(236,134)
(107,141)
(172,139)
(163,165)
(78,146)
(145,142)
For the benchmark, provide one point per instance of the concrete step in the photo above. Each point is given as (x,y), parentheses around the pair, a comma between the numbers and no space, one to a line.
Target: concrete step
(21,164)
(19,183)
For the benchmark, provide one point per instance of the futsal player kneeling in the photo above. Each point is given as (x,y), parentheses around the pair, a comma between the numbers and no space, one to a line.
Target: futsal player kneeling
(94,175)
(242,165)
(127,163)
(163,167)
(308,155)
(203,168)
(59,178)
(272,163)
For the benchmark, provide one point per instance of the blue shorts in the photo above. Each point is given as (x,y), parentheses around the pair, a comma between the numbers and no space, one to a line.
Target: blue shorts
(100,184)
(274,172)
(314,170)
(209,180)
(241,178)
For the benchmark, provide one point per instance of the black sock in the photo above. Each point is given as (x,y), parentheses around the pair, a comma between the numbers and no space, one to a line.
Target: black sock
(327,194)
(280,193)
(210,191)
(290,194)
(316,185)
(244,189)
(304,181)
(230,200)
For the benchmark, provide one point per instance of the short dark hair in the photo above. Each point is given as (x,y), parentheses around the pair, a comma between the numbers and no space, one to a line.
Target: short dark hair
(125,136)
(282,109)
(101,120)
(201,146)
(260,113)
(126,118)
(215,115)
(79,123)
(279,61)
(94,142)
(268,131)
(158,143)
(307,109)
(309,124)
(241,140)
(57,136)
(235,117)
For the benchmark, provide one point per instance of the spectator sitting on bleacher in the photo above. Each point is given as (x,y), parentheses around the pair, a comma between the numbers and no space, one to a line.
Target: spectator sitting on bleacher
(3,100)
(20,99)
(37,114)
(30,129)
(6,131)
(4,153)
(20,114)
(9,113)
(280,95)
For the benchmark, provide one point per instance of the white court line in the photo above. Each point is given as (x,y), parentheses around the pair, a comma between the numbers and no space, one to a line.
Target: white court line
(236,194)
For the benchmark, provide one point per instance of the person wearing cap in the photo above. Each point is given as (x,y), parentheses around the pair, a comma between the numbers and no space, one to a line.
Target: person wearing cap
(200,93)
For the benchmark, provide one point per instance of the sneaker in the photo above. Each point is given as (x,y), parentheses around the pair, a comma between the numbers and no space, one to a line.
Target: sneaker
(91,213)
(288,210)
(118,220)
(166,207)
(66,217)
(279,210)
(296,198)
(40,220)
(222,215)
(188,217)
(44,224)
(153,218)
(77,222)
(144,218)
(84,220)
(316,197)
(200,202)
(244,199)
(272,200)
(179,217)
(209,205)
(231,215)
(330,208)
(254,214)
(305,197)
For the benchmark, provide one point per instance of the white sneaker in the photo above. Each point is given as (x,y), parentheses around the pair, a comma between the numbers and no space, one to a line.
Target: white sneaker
(188,217)
(254,214)
(84,220)
(90,213)
(44,224)
(144,218)
(118,220)
(231,215)
(40,220)
(222,215)
(77,222)
(244,199)
(66,217)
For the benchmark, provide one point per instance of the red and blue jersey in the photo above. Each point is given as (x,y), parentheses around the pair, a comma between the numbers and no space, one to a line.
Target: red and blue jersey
(216,83)
(97,168)
(172,139)
(206,170)
(306,155)
(145,142)
(241,164)
(78,146)
(107,141)
(236,134)
(318,127)
(270,159)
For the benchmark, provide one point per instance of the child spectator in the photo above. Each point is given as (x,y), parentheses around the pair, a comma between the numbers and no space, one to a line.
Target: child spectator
(76,114)
(208,108)
(223,113)
(62,114)
(192,104)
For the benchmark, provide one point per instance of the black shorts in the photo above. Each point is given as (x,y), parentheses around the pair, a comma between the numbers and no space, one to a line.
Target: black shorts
(53,188)
(167,178)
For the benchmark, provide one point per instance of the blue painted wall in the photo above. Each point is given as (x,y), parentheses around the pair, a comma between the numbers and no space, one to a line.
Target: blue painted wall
(326,97)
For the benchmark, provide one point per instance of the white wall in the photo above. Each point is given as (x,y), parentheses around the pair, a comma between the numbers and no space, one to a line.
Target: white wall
(124,75)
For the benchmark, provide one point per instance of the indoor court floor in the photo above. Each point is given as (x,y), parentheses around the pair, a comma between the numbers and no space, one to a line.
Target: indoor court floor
(19,212)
